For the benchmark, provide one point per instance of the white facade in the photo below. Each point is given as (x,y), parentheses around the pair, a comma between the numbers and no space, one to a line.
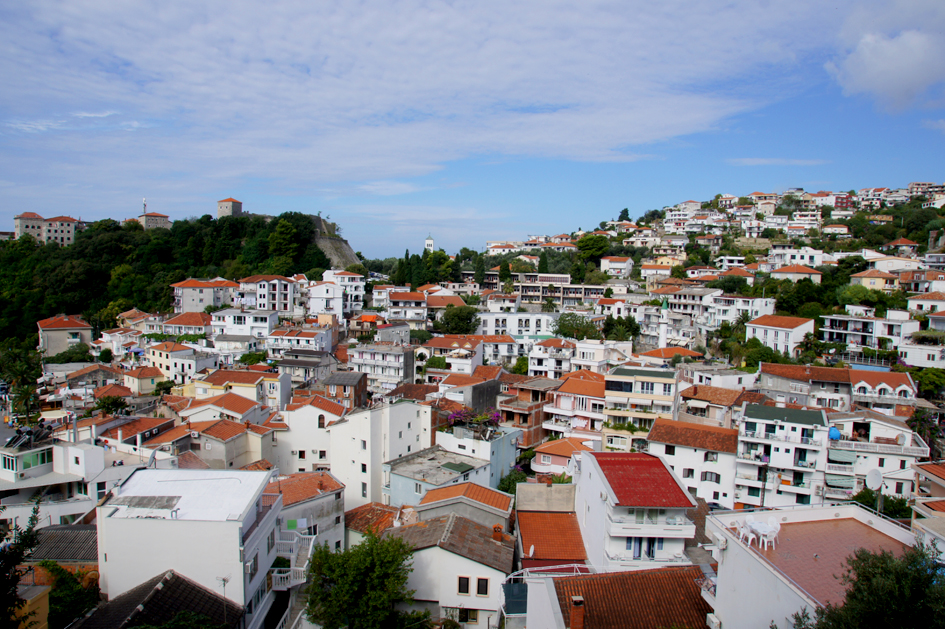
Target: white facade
(386,366)
(706,474)
(860,328)
(326,298)
(286,340)
(268,292)
(363,441)
(352,285)
(780,336)
(238,322)
(501,450)
(201,523)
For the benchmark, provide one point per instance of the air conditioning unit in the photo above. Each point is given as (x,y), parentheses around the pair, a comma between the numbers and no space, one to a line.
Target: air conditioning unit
(723,543)
(738,494)
(314,451)
(294,452)
(712,621)
(22,474)
(819,490)
(194,434)
(248,567)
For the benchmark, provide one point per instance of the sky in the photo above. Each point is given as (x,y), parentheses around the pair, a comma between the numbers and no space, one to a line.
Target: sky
(467,121)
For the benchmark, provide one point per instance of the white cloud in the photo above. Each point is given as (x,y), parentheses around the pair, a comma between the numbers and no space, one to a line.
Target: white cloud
(388,188)
(775,161)
(935,124)
(894,52)
(86,114)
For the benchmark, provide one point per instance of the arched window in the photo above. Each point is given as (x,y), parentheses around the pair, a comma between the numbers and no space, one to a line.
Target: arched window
(321,421)
(861,390)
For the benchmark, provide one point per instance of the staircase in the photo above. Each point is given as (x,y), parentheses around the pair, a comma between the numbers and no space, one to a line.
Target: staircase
(298,549)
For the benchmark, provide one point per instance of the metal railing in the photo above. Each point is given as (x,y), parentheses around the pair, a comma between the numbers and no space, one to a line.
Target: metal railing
(757,434)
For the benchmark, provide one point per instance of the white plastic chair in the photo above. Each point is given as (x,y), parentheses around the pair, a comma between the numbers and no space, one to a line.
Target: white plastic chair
(749,518)
(768,538)
(745,534)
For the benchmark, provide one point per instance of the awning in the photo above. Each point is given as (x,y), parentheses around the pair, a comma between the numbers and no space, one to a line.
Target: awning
(580,423)
(835,480)
(841,456)
(697,404)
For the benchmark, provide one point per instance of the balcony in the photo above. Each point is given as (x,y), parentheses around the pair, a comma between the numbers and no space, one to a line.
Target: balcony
(837,468)
(882,448)
(754,457)
(773,436)
(838,493)
(882,399)
(667,526)
(626,559)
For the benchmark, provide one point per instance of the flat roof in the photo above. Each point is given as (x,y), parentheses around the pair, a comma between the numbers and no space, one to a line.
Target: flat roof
(208,495)
(435,466)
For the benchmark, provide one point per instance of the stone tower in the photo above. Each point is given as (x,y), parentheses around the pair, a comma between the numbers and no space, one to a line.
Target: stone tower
(428,243)
(229,207)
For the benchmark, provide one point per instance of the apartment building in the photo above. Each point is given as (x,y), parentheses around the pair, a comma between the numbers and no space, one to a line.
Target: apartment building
(195,323)
(523,407)
(576,408)
(239,322)
(626,524)
(353,285)
(639,395)
(179,362)
(409,307)
(196,295)
(60,229)
(860,328)
(386,365)
(59,333)
(313,338)
(782,334)
(551,358)
(268,292)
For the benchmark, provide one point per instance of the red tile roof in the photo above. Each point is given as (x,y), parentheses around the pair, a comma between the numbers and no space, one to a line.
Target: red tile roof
(640,599)
(487,372)
(562,447)
(194,283)
(229,200)
(262,465)
(641,480)
(902,242)
(135,426)
(551,536)
(407,297)
(414,391)
(777,321)
(145,372)
(193,319)
(797,269)
(692,435)
(452,342)
(437,301)
(170,346)
(713,395)
(485,495)
(227,401)
(669,352)
(92,369)
(318,402)
(583,386)
(373,516)
(556,342)
(112,390)
(296,488)
(255,279)
(62,322)
(875,273)
(461,380)
(222,377)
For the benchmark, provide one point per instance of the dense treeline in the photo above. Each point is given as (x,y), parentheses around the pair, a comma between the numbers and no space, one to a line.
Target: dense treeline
(113,267)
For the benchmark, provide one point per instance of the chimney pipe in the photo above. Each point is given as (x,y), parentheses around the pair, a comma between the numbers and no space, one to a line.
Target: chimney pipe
(497,532)
(577,613)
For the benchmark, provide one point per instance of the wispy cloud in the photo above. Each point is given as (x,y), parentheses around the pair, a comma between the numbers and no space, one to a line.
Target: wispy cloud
(775,161)
(938,125)
(86,114)
(388,188)
(35,126)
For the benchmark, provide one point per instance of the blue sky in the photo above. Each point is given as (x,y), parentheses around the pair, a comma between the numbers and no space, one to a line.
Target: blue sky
(469,121)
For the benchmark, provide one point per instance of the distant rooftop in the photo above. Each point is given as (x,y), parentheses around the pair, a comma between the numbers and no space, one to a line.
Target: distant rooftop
(435,465)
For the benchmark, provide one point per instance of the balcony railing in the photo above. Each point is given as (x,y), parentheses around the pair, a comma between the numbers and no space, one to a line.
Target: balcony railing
(880,448)
(837,468)
(883,399)
(644,557)
(807,441)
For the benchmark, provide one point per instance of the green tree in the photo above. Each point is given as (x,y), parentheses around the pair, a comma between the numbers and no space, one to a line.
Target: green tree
(282,241)
(163,387)
(78,353)
(24,540)
(510,481)
(543,262)
(110,404)
(924,424)
(521,366)
(419,337)
(436,362)
(361,587)
(479,274)
(578,269)
(678,271)
(608,293)
(548,305)
(360,269)
(253,358)
(883,590)
(68,600)
(459,320)
(106,355)
(624,215)
(893,506)
(505,272)
(575,326)
(593,247)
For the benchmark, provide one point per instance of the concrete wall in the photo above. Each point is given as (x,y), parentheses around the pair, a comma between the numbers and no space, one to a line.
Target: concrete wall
(542,497)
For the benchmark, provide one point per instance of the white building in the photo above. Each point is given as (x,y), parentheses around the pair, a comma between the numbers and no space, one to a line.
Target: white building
(386,366)
(861,328)
(782,334)
(164,507)
(550,358)
(238,322)
(268,292)
(326,298)
(312,338)
(180,362)
(702,457)
(626,524)
(353,286)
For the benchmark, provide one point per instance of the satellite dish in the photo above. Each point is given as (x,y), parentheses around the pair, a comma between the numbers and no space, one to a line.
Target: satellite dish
(901,439)
(874,479)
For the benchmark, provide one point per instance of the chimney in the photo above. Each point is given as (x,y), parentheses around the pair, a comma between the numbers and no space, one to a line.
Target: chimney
(577,613)
(497,532)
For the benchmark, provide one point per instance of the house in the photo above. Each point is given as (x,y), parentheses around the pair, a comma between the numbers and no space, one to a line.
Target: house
(220,443)
(925,281)
(576,408)
(196,323)
(409,307)
(409,477)
(178,362)
(927,302)
(268,292)
(59,333)
(59,229)
(642,599)
(143,380)
(482,505)
(708,405)
(232,508)
(861,328)
(312,504)
(523,407)
(386,365)
(372,517)
(353,285)
(902,246)
(616,266)
(196,295)
(840,231)
(632,511)
(94,376)
(876,280)
(703,456)
(638,395)
(302,439)
(497,444)
(237,322)
(782,334)
(158,600)
(462,353)
(799,571)
(304,365)
(550,358)
(270,389)
(459,567)
(796,273)
(557,456)
(891,264)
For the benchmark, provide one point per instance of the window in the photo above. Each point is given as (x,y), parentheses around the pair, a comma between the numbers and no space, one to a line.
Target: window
(670,450)
(364,468)
(338,496)
(254,567)
(711,477)
(688,473)
(302,454)
(364,490)
(321,421)
(463,586)
(482,587)
(322,454)
(271,541)
(337,545)
(902,464)
(899,487)
(546,459)
(754,491)
(646,387)
(711,457)
(882,462)
(667,388)
(417,488)
(363,444)
(470,616)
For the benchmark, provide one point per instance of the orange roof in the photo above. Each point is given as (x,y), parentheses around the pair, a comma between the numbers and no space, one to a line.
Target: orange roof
(453,342)
(222,377)
(112,390)
(62,322)
(487,372)
(145,372)
(230,200)
(253,279)
(170,346)
(777,321)
(155,214)
(797,269)
(737,272)
(194,319)
(562,447)
(582,386)
(669,352)
(552,535)
(902,242)
(61,219)
(713,395)
(132,428)
(936,296)
(227,401)
(875,273)
(28,215)
(437,301)
(935,469)
(93,368)
(193,283)
(693,435)
(408,297)
(373,516)
(478,493)
(461,380)
(318,402)
(296,488)
(556,342)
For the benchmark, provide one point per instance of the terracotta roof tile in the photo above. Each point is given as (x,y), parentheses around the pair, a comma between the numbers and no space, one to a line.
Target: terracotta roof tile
(562,447)
(373,516)
(777,321)
(935,469)
(459,536)
(712,395)
(487,372)
(553,536)
(461,380)
(642,599)
(414,391)
(228,401)
(556,342)
(222,377)
(145,372)
(487,496)
(187,460)
(583,386)
(641,480)
(170,346)
(112,390)
(262,465)
(669,352)
(797,269)
(193,319)
(62,322)
(692,435)
(132,428)
(296,488)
